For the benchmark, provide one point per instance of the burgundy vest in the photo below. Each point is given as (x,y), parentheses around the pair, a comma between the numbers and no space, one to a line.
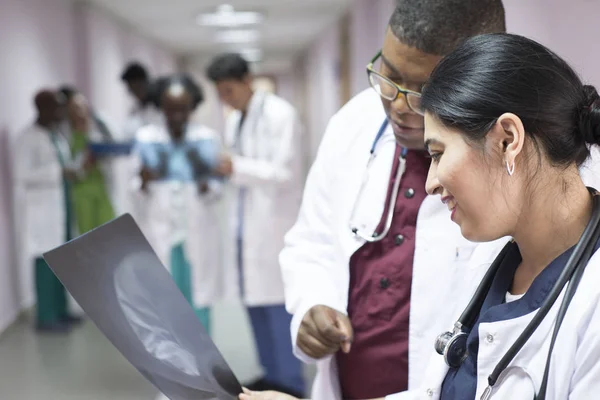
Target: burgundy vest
(379,294)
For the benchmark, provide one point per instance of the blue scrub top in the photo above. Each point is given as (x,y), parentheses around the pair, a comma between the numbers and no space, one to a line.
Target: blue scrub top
(176,158)
(461,382)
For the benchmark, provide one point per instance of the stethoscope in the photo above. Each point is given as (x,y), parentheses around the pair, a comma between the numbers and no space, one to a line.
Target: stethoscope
(376,237)
(453,345)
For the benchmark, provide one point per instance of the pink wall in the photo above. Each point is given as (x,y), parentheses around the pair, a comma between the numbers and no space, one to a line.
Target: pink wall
(39,53)
(368,22)
(322,85)
(317,82)
(567,27)
(108,46)
(47,43)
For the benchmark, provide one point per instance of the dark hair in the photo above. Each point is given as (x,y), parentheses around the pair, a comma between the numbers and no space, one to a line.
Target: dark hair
(164,83)
(228,66)
(489,75)
(68,92)
(135,72)
(439,26)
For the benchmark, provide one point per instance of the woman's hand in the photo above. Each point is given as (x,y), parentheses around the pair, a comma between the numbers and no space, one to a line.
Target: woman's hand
(147,175)
(269,395)
(203,188)
(225,166)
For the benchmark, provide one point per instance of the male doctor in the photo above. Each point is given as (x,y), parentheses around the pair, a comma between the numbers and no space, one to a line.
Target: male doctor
(43,168)
(137,80)
(265,170)
(373,266)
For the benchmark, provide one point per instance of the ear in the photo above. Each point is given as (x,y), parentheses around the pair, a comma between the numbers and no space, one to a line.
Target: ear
(247,79)
(508,136)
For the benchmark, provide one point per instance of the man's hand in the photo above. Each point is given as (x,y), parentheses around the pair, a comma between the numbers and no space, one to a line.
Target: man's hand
(324,331)
(225,166)
(270,395)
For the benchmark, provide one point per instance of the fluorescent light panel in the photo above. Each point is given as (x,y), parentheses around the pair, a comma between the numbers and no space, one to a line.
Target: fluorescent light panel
(230,20)
(237,36)
(252,55)
(226,16)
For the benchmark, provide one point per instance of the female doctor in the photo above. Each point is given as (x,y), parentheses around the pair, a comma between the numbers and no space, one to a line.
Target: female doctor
(180,216)
(507,124)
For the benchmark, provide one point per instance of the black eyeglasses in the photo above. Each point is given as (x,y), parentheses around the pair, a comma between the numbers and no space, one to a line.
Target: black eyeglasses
(390,90)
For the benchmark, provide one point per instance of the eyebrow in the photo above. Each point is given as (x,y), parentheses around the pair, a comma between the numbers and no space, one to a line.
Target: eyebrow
(429,142)
(389,65)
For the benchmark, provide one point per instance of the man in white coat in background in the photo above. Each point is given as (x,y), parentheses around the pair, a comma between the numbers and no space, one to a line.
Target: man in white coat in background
(265,172)
(44,214)
(144,112)
(373,266)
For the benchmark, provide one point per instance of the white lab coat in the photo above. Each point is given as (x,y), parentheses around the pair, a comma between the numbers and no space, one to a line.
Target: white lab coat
(174,212)
(574,368)
(268,163)
(39,192)
(138,118)
(315,261)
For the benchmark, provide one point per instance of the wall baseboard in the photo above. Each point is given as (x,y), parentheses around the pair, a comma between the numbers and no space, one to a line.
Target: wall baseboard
(17,317)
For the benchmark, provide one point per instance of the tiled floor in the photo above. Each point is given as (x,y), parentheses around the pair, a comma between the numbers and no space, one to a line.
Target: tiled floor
(85,366)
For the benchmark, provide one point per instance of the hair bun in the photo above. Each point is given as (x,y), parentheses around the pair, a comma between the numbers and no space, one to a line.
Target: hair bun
(589,116)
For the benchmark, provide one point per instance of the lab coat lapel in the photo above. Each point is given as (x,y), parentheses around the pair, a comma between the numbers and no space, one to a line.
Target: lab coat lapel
(496,338)
(248,137)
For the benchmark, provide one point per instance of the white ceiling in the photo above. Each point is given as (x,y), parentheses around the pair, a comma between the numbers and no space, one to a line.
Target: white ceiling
(289,25)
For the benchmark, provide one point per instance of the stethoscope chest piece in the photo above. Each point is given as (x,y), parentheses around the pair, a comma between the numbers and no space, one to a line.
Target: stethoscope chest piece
(453,347)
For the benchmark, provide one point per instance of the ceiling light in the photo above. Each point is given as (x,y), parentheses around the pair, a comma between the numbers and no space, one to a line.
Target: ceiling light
(237,36)
(226,16)
(252,55)
(225,8)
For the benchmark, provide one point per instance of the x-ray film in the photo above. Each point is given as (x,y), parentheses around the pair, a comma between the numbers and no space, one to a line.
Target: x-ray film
(118,280)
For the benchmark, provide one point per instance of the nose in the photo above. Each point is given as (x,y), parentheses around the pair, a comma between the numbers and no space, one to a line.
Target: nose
(433,186)
(400,105)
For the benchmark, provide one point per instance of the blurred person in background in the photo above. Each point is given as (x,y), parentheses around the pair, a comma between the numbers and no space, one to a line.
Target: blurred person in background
(179,196)
(114,167)
(91,200)
(144,112)
(45,215)
(264,170)
(99,124)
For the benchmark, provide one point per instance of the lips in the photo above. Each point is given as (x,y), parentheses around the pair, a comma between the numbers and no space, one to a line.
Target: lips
(450,203)
(399,127)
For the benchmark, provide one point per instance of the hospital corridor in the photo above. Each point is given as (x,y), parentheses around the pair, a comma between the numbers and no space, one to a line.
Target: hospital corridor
(85,365)
(270,199)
